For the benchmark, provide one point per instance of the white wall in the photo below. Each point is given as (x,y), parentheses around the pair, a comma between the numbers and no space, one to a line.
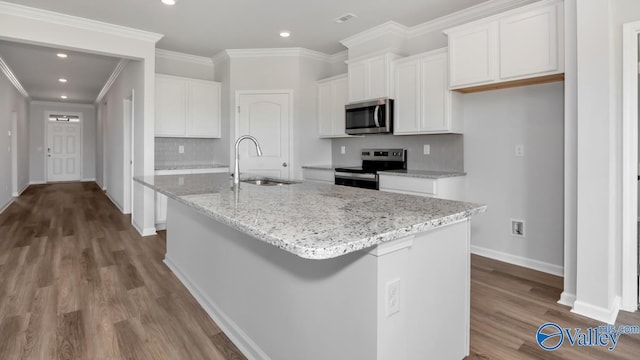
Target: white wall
(54,30)
(177,64)
(112,105)
(528,188)
(12,101)
(276,73)
(38,145)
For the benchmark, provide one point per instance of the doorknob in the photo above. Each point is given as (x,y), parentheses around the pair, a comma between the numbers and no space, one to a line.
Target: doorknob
(284,164)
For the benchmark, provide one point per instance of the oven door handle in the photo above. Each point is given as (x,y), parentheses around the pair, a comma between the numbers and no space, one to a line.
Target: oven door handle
(375,115)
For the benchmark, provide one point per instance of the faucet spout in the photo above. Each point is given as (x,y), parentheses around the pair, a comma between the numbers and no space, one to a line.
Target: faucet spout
(236,165)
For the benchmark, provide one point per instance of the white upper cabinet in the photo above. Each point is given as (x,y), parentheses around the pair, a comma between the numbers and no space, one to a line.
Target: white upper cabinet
(370,78)
(187,107)
(332,97)
(519,44)
(424,104)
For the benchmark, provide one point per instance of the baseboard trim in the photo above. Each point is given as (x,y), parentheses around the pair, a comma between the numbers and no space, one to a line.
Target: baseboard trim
(161,226)
(24,187)
(142,230)
(567,299)
(88,180)
(37,182)
(238,337)
(114,202)
(519,260)
(6,206)
(598,313)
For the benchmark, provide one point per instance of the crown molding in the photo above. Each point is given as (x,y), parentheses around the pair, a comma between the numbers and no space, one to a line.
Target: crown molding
(275,52)
(78,22)
(388,28)
(339,57)
(12,78)
(178,56)
(61,103)
(114,75)
(480,11)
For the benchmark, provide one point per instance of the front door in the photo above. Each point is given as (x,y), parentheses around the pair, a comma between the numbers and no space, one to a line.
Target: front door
(267,117)
(63,151)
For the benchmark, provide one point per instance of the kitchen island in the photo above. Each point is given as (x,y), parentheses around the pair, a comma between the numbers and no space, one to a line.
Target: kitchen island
(314,271)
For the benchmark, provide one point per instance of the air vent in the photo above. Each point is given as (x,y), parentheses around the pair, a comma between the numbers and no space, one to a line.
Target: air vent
(345,17)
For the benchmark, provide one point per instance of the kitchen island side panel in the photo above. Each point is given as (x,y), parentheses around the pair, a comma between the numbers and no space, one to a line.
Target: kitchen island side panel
(272,304)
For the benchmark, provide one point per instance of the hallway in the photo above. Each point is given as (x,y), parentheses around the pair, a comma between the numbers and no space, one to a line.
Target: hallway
(78,282)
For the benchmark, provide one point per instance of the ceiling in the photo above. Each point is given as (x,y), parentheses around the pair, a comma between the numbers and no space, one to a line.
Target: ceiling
(38,70)
(205,27)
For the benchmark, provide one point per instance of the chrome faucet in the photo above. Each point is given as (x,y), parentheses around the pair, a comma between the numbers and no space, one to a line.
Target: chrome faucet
(236,166)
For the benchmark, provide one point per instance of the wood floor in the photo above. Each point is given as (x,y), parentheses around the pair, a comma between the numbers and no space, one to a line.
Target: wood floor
(78,282)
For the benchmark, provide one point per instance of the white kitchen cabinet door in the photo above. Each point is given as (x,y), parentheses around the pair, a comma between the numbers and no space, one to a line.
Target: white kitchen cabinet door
(407,103)
(204,110)
(371,78)
(358,81)
(340,99)
(378,84)
(473,55)
(332,97)
(436,111)
(450,188)
(424,104)
(187,107)
(170,106)
(325,109)
(519,44)
(529,43)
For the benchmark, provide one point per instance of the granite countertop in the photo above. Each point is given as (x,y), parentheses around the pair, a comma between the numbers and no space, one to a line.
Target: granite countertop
(427,174)
(311,220)
(319,167)
(189,166)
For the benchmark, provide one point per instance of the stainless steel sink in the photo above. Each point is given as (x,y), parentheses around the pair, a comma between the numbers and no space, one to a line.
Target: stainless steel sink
(268,182)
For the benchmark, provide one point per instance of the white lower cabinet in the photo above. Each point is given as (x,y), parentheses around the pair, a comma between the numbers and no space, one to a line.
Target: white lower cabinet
(445,188)
(325,176)
(161,200)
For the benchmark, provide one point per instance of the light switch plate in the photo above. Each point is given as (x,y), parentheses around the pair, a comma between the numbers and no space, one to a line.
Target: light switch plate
(343,150)
(181,149)
(427,149)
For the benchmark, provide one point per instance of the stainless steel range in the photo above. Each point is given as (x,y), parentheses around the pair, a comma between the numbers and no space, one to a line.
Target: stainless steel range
(373,160)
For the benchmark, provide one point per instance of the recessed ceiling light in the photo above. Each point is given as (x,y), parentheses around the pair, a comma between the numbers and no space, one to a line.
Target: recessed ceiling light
(169,2)
(285,34)
(63,97)
(61,55)
(62,80)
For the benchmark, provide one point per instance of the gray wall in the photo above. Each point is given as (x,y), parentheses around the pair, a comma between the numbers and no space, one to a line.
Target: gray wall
(447,150)
(196,152)
(37,141)
(529,188)
(12,101)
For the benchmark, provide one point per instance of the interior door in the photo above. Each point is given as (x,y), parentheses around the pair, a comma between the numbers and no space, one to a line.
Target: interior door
(267,117)
(63,151)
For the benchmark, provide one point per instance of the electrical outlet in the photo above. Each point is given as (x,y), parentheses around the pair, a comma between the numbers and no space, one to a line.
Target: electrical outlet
(181,149)
(181,181)
(393,297)
(426,149)
(343,150)
(517,228)
(520,150)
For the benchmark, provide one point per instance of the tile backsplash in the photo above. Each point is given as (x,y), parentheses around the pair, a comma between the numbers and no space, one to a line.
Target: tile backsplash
(196,152)
(447,150)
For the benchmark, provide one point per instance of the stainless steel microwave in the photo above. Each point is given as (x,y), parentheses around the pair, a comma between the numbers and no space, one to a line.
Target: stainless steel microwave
(369,117)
